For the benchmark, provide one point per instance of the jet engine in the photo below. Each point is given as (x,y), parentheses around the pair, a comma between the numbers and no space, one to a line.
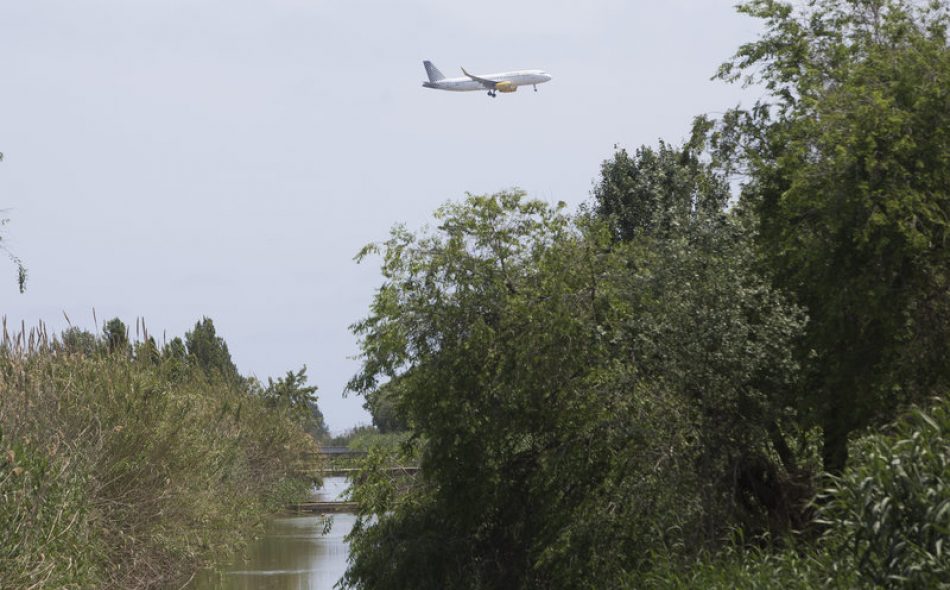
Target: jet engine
(506,86)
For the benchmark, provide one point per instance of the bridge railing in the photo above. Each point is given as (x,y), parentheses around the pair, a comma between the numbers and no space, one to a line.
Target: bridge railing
(328,460)
(338,451)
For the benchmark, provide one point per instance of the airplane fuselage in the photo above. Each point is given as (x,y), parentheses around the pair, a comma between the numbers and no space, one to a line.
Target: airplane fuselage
(466,84)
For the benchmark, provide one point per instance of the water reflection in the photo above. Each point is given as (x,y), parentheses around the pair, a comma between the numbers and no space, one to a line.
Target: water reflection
(292,554)
(332,490)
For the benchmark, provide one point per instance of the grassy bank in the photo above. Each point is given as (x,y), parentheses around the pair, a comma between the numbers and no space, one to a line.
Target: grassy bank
(128,466)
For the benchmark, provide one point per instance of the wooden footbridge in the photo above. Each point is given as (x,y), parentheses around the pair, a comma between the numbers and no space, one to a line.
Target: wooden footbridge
(342,462)
(336,462)
(322,507)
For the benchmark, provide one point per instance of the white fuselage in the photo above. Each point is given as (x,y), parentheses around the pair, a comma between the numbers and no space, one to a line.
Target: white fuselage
(466,84)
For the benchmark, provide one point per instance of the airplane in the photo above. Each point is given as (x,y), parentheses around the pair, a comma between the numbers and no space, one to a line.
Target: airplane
(503,82)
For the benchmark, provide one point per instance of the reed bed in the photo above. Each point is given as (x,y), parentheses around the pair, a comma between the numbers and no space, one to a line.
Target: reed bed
(129,467)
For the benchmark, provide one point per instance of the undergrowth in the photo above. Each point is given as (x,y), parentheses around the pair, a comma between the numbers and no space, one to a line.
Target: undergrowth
(885,523)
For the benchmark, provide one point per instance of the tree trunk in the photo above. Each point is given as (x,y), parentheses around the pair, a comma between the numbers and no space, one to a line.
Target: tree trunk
(834,451)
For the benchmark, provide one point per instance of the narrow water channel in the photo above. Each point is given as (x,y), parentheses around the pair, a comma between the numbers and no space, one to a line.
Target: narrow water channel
(291,554)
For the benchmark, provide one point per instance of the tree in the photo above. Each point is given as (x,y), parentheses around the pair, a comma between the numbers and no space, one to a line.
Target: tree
(210,352)
(316,426)
(146,351)
(577,401)
(656,190)
(671,207)
(485,381)
(175,349)
(175,360)
(383,409)
(848,173)
(291,393)
(115,336)
(78,341)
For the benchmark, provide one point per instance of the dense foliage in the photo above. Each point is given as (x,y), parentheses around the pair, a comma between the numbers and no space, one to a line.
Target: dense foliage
(290,394)
(886,519)
(600,399)
(848,168)
(126,465)
(889,513)
(581,400)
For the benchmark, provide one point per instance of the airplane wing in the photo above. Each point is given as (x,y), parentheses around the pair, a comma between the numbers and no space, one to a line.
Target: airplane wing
(489,84)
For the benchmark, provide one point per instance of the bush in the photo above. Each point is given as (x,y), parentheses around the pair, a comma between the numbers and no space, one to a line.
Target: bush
(886,519)
(889,513)
(739,567)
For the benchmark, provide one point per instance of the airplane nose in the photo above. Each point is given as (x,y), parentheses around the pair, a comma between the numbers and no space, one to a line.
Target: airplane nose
(547,77)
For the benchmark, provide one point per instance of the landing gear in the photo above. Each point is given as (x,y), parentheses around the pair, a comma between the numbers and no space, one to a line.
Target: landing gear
(491,93)
(535,87)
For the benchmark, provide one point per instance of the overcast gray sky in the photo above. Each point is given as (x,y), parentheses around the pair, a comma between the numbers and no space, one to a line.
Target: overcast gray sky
(173,159)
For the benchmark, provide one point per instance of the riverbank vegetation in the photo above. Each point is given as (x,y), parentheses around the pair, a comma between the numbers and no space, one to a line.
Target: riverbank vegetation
(364,438)
(685,385)
(128,464)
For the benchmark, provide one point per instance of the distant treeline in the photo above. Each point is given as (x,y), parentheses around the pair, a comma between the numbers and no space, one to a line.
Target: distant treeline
(128,464)
(679,385)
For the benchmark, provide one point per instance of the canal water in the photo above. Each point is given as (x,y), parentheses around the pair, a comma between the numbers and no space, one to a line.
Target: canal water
(293,553)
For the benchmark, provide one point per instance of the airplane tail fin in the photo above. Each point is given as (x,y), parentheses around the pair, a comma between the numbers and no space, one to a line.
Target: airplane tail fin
(434,74)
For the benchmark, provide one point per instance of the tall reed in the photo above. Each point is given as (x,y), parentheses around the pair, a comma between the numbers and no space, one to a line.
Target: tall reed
(128,468)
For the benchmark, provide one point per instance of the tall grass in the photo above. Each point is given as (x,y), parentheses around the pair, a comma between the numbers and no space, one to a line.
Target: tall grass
(885,520)
(129,470)
(889,513)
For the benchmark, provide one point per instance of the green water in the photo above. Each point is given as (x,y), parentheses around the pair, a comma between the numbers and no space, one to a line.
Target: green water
(293,553)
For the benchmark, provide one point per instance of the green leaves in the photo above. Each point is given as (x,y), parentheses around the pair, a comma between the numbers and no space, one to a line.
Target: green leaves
(210,352)
(290,394)
(643,361)
(555,374)
(657,191)
(889,513)
(847,165)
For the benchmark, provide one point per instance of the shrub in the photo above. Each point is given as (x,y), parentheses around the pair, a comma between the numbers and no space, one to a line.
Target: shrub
(889,513)
(886,519)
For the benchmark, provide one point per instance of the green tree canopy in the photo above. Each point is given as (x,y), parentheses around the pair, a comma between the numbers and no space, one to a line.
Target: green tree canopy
(382,407)
(292,394)
(847,162)
(78,341)
(210,352)
(580,400)
(657,190)
(115,336)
